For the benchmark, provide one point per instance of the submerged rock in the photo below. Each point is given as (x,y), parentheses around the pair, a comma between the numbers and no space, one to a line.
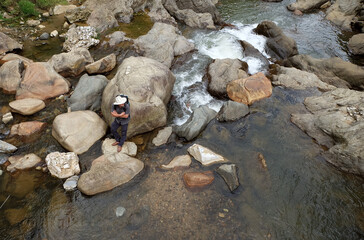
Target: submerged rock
(22,162)
(27,129)
(229,173)
(108,172)
(78,131)
(179,161)
(27,106)
(7,147)
(103,65)
(231,111)
(198,179)
(129,148)
(196,123)
(11,75)
(63,165)
(88,92)
(162,137)
(7,44)
(249,90)
(71,183)
(204,155)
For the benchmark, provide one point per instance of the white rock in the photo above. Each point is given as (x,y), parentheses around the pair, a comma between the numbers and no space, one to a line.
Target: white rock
(162,136)
(204,155)
(54,33)
(41,26)
(46,14)
(1,172)
(129,148)
(33,23)
(179,161)
(120,211)
(71,183)
(63,165)
(7,117)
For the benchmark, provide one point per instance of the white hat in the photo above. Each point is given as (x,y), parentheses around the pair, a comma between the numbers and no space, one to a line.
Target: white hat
(119,100)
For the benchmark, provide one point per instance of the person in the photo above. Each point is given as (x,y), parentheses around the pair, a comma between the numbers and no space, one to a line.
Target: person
(120,109)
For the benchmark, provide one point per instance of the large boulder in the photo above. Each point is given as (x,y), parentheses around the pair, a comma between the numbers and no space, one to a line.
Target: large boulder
(78,131)
(279,45)
(306,5)
(298,79)
(7,44)
(163,43)
(11,75)
(149,85)
(334,71)
(250,51)
(22,162)
(103,65)
(223,71)
(80,37)
(72,63)
(88,92)
(63,165)
(249,90)
(102,19)
(196,122)
(79,14)
(231,111)
(158,13)
(336,120)
(342,13)
(27,106)
(41,81)
(108,172)
(356,44)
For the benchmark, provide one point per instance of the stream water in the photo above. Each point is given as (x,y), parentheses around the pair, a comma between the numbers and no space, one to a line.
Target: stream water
(298,196)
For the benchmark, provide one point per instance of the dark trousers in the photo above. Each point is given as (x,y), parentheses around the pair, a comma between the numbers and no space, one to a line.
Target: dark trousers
(114,130)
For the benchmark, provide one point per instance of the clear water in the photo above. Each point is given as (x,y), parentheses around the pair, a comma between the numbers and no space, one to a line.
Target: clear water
(298,195)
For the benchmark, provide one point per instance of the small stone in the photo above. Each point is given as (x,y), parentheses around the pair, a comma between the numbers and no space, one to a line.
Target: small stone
(44,36)
(22,162)
(7,117)
(229,173)
(41,26)
(71,183)
(297,12)
(221,215)
(226,210)
(7,147)
(198,179)
(54,33)
(163,136)
(45,169)
(33,23)
(66,25)
(1,172)
(38,168)
(46,14)
(120,211)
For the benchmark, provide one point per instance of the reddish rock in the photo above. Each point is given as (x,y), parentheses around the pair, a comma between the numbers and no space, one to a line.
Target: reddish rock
(41,81)
(26,129)
(198,179)
(12,56)
(249,90)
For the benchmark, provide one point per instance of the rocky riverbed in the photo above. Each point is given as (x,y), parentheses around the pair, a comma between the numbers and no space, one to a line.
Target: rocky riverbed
(55,112)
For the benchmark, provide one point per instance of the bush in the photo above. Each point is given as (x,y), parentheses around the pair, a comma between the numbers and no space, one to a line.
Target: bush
(27,8)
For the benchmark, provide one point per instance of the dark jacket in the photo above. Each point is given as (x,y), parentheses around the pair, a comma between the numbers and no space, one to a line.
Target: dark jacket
(119,110)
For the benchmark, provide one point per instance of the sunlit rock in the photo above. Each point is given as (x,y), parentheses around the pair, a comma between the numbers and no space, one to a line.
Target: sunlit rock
(306,5)
(78,131)
(22,162)
(179,161)
(162,137)
(63,165)
(251,89)
(204,155)
(198,179)
(103,65)
(102,19)
(79,14)
(60,9)
(229,173)
(108,172)
(12,56)
(129,148)
(80,37)
(7,147)
(7,117)
(11,75)
(7,44)
(356,44)
(27,106)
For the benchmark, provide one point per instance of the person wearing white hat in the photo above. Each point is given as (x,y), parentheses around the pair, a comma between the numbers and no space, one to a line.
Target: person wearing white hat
(120,109)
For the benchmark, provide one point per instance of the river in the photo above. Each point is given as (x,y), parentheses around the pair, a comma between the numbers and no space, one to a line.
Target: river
(298,196)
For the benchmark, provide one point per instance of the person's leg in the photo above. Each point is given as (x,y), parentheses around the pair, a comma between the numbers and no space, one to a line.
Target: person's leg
(114,131)
(124,129)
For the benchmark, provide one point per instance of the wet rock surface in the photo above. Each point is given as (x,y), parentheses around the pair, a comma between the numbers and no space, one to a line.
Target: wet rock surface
(6,147)
(80,37)
(71,183)
(204,155)
(179,161)
(23,162)
(231,111)
(198,179)
(306,5)
(63,165)
(229,173)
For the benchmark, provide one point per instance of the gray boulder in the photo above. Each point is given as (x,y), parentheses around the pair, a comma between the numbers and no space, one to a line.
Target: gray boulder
(88,93)
(343,12)
(163,43)
(159,14)
(336,120)
(231,111)
(7,147)
(11,75)
(221,72)
(196,123)
(356,44)
(72,63)
(79,14)
(229,173)
(148,84)
(334,71)
(306,5)
(278,45)
(251,51)
(7,44)
(102,19)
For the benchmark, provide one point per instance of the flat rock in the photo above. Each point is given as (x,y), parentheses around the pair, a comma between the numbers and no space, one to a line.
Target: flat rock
(198,179)
(11,75)
(78,131)
(179,161)
(204,155)
(108,172)
(105,64)
(22,162)
(129,148)
(63,165)
(232,111)
(26,129)
(27,106)
(71,183)
(7,147)
(162,137)
(229,173)
(7,44)
(251,89)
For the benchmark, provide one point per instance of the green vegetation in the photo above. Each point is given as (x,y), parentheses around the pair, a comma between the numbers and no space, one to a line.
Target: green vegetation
(140,25)
(28,8)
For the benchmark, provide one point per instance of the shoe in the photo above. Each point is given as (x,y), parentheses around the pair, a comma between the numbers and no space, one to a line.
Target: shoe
(115,143)
(119,148)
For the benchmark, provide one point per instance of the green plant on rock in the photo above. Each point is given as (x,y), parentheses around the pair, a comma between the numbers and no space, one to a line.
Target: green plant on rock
(27,8)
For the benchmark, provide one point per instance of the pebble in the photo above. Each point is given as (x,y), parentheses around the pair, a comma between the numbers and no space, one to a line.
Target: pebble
(120,211)
(54,33)
(44,36)
(221,215)
(71,183)
(41,26)
(38,168)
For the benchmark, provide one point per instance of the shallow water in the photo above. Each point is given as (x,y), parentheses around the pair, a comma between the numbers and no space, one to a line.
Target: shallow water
(298,195)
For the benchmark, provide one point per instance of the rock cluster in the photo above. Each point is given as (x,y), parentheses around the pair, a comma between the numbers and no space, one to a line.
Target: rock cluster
(80,37)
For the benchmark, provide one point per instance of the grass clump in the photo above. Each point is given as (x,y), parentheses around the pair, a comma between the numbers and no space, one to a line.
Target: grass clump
(27,8)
